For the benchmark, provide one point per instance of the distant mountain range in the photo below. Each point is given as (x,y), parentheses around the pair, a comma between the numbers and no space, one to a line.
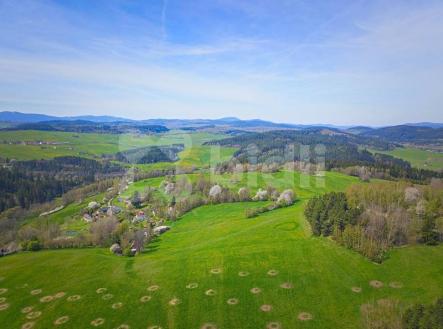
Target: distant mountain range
(406,134)
(19,117)
(423,131)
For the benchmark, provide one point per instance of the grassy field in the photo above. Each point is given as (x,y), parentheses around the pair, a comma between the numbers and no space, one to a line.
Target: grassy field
(304,185)
(418,158)
(218,237)
(92,145)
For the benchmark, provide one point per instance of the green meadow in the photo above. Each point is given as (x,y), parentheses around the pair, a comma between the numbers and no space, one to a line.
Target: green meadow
(94,145)
(303,184)
(204,269)
(417,157)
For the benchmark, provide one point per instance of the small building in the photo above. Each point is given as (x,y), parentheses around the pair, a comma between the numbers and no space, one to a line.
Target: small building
(113,210)
(104,210)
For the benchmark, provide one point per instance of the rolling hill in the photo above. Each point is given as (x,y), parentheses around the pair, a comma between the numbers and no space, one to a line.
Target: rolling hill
(216,269)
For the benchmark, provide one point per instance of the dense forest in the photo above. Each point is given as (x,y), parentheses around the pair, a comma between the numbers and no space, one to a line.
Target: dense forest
(149,154)
(37,181)
(83,126)
(406,133)
(328,147)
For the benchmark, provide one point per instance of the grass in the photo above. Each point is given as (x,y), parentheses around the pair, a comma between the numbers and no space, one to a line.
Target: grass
(194,156)
(90,145)
(219,236)
(304,185)
(418,158)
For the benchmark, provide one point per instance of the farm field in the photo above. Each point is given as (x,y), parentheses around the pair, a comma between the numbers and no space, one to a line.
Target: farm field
(92,145)
(418,158)
(318,273)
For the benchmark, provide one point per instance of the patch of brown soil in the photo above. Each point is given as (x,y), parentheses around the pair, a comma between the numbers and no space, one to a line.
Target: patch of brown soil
(305,316)
(376,284)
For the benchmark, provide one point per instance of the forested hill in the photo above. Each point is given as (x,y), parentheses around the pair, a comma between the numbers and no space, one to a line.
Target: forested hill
(83,126)
(334,148)
(37,181)
(312,136)
(406,133)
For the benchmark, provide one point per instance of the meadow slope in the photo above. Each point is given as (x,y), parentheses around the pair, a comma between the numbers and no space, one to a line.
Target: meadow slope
(217,237)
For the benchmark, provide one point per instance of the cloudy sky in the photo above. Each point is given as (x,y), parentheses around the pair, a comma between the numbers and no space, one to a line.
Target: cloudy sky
(313,61)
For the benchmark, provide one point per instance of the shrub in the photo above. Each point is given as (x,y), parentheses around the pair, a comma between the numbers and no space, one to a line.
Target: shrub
(33,245)
(128,252)
(424,317)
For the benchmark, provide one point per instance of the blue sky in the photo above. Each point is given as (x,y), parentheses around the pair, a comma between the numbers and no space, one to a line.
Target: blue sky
(340,62)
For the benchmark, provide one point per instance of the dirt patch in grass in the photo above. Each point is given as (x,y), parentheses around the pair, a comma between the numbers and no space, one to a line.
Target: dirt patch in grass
(27,309)
(123,326)
(273,325)
(208,326)
(145,299)
(107,296)
(272,272)
(3,290)
(60,294)
(73,298)
(116,306)
(192,285)
(396,285)
(210,292)
(61,320)
(153,288)
(4,306)
(216,271)
(28,325)
(174,301)
(36,292)
(33,315)
(101,290)
(243,274)
(46,299)
(232,301)
(287,285)
(305,316)
(376,284)
(255,290)
(2,300)
(97,322)
(266,308)
(356,289)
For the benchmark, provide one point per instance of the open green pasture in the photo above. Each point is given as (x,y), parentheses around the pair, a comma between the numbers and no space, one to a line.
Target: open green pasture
(210,240)
(304,185)
(417,157)
(204,271)
(94,145)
